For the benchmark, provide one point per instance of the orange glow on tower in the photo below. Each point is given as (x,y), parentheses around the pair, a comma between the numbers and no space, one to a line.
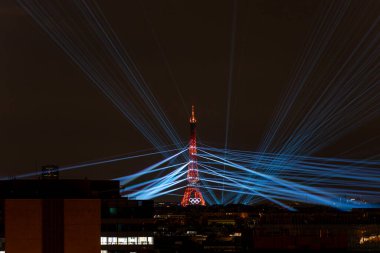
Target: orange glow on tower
(192,118)
(192,195)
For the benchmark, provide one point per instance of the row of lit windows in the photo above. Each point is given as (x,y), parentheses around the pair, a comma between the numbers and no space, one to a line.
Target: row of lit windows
(133,240)
(372,238)
(102,251)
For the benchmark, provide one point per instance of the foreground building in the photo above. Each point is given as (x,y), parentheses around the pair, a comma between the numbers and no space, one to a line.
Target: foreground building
(69,216)
(127,226)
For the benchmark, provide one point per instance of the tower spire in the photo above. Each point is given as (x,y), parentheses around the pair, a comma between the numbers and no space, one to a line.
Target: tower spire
(193,119)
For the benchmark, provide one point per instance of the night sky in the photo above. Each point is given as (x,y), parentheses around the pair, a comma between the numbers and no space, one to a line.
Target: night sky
(50,113)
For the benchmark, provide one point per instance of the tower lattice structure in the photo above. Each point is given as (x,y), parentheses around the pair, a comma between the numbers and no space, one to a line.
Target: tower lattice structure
(192,195)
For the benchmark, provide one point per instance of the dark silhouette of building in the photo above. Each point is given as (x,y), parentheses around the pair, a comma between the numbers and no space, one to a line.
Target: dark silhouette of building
(50,172)
(61,216)
(265,228)
(127,226)
(70,216)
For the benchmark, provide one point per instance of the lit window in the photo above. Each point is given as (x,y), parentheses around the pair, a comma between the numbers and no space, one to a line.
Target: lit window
(150,240)
(372,238)
(113,210)
(132,240)
(102,251)
(122,241)
(112,240)
(103,241)
(143,240)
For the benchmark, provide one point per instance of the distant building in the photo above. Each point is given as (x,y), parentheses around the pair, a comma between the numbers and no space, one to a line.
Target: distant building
(72,216)
(266,228)
(50,172)
(127,226)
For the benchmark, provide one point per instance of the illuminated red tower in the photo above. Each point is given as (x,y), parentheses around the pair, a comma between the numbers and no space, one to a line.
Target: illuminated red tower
(192,195)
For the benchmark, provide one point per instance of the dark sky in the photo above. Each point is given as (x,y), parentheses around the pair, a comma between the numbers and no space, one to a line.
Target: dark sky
(50,113)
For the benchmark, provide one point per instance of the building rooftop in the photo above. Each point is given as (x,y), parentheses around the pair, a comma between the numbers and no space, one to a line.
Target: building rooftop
(62,188)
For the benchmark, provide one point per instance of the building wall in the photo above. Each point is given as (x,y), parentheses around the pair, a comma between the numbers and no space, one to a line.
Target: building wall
(70,225)
(82,225)
(23,225)
(52,225)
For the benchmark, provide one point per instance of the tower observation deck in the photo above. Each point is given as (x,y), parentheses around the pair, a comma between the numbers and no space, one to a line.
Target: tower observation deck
(192,195)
